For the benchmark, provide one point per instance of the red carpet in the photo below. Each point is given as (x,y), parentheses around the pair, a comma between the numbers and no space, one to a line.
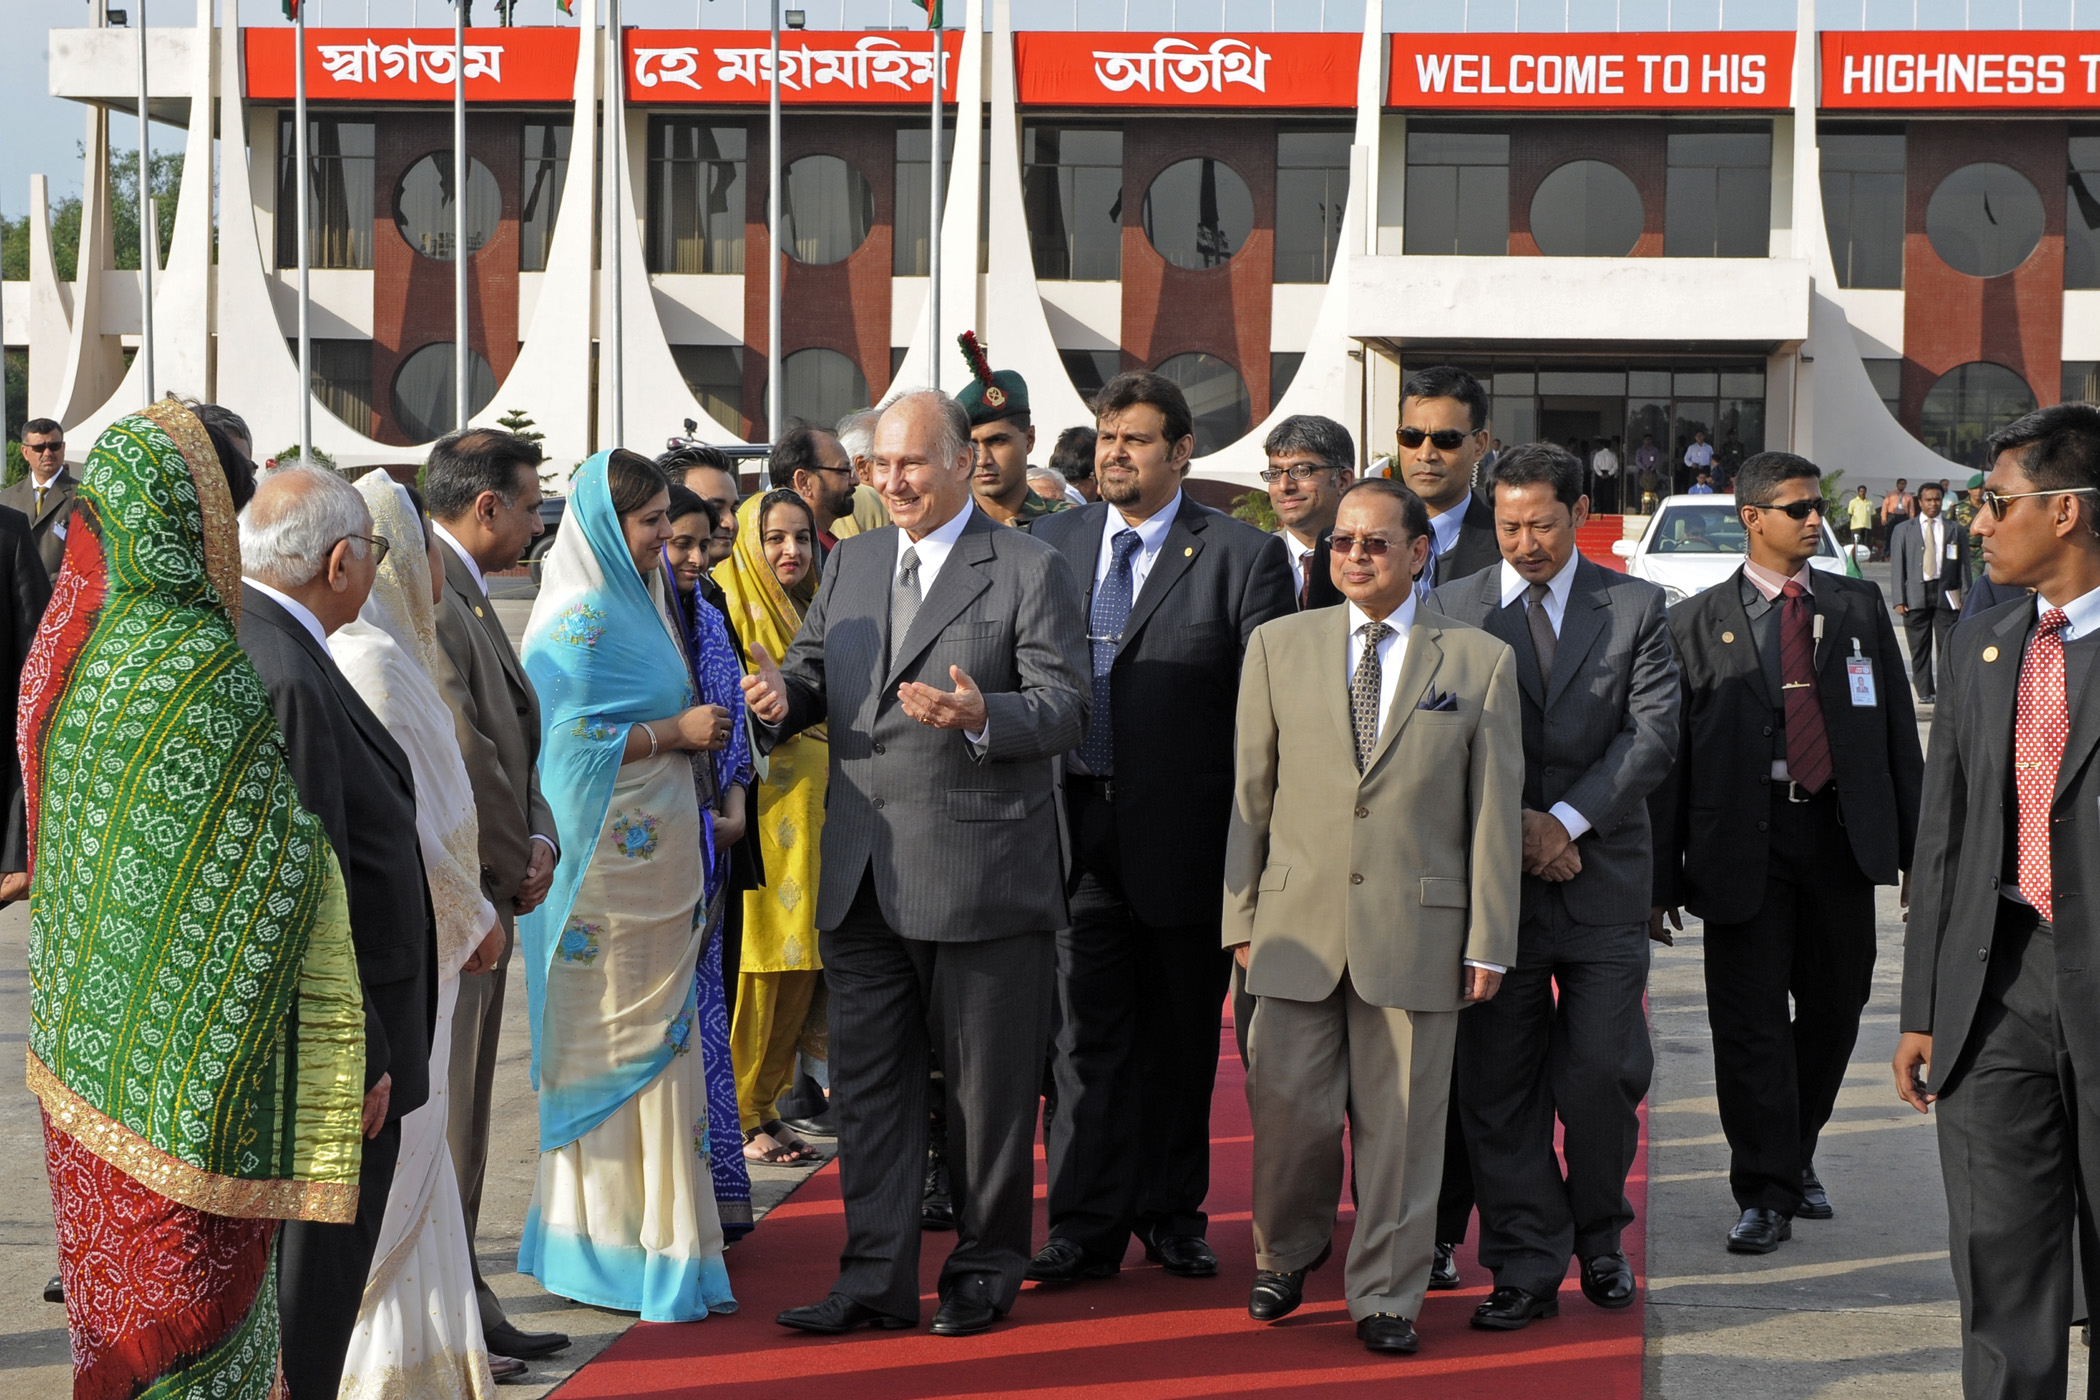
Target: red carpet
(1140,1335)
(1595,537)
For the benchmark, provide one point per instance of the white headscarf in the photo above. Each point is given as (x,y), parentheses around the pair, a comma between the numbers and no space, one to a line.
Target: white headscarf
(390,654)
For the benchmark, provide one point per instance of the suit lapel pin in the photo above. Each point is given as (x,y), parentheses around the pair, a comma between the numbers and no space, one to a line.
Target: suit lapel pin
(477,611)
(1188,551)
(1728,636)
(1990,653)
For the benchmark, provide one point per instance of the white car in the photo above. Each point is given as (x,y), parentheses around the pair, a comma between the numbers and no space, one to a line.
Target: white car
(1693,542)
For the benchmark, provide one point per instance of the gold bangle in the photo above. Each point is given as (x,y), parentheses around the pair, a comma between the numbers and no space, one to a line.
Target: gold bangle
(646,729)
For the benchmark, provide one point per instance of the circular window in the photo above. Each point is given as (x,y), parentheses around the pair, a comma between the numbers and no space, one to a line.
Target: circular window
(1967,405)
(1586,209)
(1217,397)
(827,208)
(423,396)
(1984,219)
(1198,213)
(821,387)
(423,206)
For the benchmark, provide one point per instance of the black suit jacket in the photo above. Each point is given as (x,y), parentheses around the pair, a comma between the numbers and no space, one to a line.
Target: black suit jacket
(28,590)
(1712,850)
(1475,548)
(1173,693)
(1947,947)
(1320,591)
(1600,733)
(353,776)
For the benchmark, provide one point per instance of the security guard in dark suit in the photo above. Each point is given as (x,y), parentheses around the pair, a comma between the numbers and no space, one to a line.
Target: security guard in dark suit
(45,495)
(1795,793)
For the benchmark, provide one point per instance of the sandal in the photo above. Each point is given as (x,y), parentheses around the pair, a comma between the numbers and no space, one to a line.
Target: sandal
(772,1153)
(790,1142)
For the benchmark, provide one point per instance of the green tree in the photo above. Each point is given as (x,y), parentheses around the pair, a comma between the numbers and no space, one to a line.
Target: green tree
(519,422)
(1255,509)
(166,176)
(291,454)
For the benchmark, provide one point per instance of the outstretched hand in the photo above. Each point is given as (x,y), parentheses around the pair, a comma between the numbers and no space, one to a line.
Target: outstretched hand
(961,708)
(764,691)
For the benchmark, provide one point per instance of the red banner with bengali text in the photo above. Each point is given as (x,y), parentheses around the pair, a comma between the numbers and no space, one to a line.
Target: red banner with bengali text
(1176,70)
(829,68)
(536,64)
(1593,72)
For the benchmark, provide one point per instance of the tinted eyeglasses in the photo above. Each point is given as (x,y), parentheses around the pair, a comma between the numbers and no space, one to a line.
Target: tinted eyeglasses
(1446,439)
(1795,510)
(379,547)
(58,445)
(1375,546)
(1297,471)
(1995,502)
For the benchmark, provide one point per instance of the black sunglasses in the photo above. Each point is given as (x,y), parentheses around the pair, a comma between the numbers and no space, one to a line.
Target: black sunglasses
(1994,501)
(1794,510)
(1446,439)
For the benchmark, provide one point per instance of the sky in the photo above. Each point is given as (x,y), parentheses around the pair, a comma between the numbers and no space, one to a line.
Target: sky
(39,132)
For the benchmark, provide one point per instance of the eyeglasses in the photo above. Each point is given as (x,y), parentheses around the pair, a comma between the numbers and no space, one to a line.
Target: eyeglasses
(1794,510)
(1297,471)
(1995,503)
(1446,439)
(1374,546)
(58,446)
(379,547)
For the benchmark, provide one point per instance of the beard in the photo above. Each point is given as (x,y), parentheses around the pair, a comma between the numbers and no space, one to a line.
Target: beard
(1119,490)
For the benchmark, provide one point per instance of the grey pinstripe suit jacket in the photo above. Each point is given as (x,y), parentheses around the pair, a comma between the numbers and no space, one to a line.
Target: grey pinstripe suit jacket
(964,846)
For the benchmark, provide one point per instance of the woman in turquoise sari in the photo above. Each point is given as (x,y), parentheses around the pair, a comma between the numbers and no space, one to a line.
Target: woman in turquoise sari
(623,1213)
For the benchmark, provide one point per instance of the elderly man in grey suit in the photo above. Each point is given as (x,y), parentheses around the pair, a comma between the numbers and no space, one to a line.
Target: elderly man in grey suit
(942,878)
(1567,1035)
(1371,888)
(45,495)
(484,496)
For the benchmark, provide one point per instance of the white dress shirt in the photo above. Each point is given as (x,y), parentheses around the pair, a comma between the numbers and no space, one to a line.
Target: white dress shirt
(299,611)
(2081,614)
(1301,559)
(1443,531)
(473,569)
(1151,535)
(1514,588)
(933,550)
(1605,463)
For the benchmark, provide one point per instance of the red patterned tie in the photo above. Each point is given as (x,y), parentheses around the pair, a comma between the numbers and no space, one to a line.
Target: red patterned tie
(2039,732)
(1807,742)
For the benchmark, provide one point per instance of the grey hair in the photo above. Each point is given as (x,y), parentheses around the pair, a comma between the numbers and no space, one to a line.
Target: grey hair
(1313,436)
(286,534)
(856,432)
(952,423)
(1048,484)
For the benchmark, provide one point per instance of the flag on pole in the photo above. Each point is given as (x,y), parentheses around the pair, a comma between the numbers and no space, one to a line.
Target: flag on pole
(291,9)
(932,9)
(568,7)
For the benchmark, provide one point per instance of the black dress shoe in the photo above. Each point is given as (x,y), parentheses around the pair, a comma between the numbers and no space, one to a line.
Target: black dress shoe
(937,1203)
(1443,1270)
(968,1308)
(1815,1201)
(1061,1261)
(55,1290)
(1186,1255)
(1607,1280)
(1276,1294)
(1512,1309)
(1760,1231)
(1384,1332)
(836,1314)
(507,1340)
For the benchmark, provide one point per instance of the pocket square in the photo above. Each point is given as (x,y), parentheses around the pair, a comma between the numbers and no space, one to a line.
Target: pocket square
(1439,700)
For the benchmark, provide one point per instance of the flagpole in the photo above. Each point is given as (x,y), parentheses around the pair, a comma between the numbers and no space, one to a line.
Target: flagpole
(933,234)
(305,232)
(616,240)
(773,254)
(149,236)
(460,169)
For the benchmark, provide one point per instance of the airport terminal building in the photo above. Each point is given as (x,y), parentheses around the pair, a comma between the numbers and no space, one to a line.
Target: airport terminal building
(1870,246)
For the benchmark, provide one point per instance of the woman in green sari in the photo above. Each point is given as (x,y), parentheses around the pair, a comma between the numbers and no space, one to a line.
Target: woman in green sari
(196,1033)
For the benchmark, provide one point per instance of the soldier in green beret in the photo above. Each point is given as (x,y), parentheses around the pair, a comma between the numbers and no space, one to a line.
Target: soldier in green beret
(1003,435)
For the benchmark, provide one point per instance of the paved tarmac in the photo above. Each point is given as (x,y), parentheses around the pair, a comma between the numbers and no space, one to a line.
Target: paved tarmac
(1860,1307)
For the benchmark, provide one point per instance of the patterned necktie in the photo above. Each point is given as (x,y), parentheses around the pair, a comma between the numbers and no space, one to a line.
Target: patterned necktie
(1807,741)
(2042,724)
(1305,567)
(1105,632)
(1363,691)
(1542,639)
(904,598)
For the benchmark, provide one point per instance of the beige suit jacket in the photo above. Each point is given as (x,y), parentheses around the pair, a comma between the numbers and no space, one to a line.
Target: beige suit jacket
(498,721)
(1397,875)
(47,526)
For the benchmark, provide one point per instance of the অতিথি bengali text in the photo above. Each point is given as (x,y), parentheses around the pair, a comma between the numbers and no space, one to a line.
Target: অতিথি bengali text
(1181,63)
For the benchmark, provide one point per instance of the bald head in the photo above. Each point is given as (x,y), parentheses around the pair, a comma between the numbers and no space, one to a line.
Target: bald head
(304,535)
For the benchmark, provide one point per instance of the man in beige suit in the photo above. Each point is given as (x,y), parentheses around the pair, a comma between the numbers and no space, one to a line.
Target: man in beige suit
(484,495)
(1371,892)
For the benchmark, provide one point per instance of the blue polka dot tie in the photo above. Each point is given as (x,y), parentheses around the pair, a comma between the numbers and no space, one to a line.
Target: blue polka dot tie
(1105,632)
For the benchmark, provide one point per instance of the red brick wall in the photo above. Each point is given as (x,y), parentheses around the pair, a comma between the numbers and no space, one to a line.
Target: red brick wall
(1950,318)
(844,306)
(1223,311)
(412,294)
(1538,148)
